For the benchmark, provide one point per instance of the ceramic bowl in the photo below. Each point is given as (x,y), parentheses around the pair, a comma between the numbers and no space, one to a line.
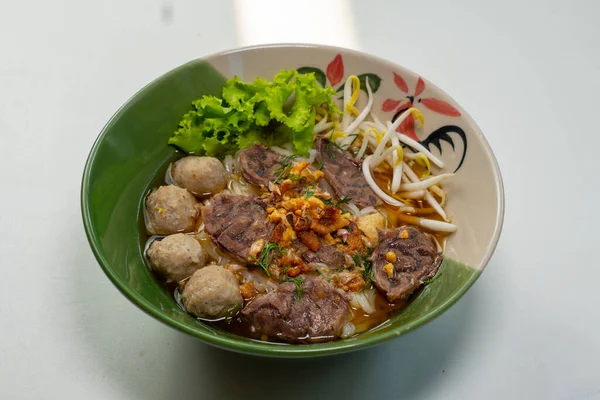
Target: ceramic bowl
(131,154)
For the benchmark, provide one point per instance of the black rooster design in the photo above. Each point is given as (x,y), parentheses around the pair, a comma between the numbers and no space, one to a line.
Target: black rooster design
(442,134)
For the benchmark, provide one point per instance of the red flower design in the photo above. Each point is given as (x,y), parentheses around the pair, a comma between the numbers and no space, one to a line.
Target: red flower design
(335,70)
(401,83)
(390,105)
(440,107)
(407,126)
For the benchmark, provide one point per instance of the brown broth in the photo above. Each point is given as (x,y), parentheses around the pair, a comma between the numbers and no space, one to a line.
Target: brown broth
(383,311)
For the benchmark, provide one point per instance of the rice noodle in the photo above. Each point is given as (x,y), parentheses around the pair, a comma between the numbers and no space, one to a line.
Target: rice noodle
(368,210)
(364,300)
(352,208)
(168,177)
(228,163)
(282,151)
(236,186)
(348,330)
(261,283)
(312,156)
(211,249)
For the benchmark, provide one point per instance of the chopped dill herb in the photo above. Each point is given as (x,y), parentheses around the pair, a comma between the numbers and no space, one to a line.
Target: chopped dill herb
(328,150)
(344,200)
(293,177)
(309,193)
(284,169)
(288,159)
(362,260)
(264,257)
(298,281)
(339,203)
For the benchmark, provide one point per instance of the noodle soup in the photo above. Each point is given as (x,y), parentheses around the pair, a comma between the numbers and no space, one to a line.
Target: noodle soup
(296,236)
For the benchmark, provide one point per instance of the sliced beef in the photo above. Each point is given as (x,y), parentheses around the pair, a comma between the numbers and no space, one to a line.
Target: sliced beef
(236,221)
(331,255)
(319,315)
(327,254)
(416,260)
(344,174)
(259,164)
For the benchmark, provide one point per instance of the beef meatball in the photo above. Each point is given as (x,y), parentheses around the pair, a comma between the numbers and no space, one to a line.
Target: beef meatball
(170,209)
(212,292)
(176,257)
(203,176)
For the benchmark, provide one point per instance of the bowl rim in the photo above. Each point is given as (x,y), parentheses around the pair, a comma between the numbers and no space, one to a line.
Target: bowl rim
(257,347)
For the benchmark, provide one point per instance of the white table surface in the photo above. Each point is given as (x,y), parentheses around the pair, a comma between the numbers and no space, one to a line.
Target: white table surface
(528,72)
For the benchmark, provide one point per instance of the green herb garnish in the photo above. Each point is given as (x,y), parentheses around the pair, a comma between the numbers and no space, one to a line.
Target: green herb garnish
(263,259)
(331,143)
(309,193)
(298,281)
(294,178)
(338,204)
(284,168)
(362,260)
(321,164)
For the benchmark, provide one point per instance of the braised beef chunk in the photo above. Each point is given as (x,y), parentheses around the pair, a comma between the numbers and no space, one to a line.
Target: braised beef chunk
(318,315)
(344,174)
(259,164)
(326,254)
(332,256)
(414,259)
(236,221)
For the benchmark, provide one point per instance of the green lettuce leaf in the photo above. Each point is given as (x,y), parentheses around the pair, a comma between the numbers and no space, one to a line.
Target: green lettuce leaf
(266,112)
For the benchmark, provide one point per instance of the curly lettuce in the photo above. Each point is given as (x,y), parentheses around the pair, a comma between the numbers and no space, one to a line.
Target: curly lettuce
(265,112)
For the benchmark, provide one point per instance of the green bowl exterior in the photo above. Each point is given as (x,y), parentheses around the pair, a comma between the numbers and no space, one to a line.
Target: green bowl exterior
(130,156)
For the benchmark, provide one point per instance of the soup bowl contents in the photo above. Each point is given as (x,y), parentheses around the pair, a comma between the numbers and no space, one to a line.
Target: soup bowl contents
(293,220)
(292,200)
